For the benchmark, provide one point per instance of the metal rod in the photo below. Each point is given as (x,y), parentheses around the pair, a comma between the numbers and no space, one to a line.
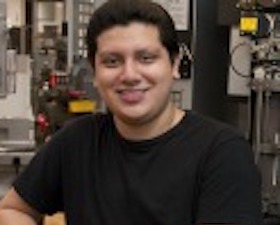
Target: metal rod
(258,120)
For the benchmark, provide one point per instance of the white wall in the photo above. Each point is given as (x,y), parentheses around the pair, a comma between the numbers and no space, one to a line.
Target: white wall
(15,12)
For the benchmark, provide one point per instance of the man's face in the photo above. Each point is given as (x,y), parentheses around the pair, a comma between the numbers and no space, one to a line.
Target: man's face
(133,72)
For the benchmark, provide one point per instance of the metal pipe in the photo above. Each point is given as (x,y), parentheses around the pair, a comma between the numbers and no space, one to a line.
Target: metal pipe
(267,94)
(258,121)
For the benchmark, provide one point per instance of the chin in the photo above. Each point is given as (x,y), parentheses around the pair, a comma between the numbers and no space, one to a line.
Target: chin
(133,116)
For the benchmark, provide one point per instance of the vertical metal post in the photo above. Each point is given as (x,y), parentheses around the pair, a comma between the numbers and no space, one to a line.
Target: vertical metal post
(3,47)
(34,50)
(23,27)
(259,117)
(70,33)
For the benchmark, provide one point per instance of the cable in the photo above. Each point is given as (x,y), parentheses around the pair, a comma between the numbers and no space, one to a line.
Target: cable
(233,51)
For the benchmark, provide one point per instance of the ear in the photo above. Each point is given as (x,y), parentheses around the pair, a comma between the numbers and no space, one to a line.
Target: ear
(175,70)
(94,82)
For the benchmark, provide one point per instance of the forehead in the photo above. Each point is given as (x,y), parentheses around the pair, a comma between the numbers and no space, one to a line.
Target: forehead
(133,34)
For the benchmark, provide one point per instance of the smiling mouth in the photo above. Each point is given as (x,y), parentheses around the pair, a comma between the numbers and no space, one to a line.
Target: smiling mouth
(132,96)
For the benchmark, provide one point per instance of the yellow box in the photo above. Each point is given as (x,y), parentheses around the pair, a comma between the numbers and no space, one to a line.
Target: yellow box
(81,106)
(249,24)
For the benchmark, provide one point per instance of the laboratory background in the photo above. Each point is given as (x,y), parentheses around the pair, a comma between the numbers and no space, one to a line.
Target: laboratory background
(229,70)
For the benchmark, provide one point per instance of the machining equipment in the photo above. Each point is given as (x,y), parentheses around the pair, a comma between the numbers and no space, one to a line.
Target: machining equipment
(60,97)
(17,143)
(256,43)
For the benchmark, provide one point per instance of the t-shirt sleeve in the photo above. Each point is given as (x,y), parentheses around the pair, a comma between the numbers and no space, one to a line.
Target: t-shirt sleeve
(230,186)
(40,183)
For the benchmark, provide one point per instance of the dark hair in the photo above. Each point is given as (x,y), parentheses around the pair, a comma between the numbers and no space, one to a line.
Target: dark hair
(123,12)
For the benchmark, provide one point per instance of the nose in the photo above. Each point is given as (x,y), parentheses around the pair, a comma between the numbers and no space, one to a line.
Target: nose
(130,73)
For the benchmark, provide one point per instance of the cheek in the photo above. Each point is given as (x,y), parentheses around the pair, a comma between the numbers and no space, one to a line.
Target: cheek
(103,82)
(98,83)
(100,78)
(165,75)
(157,72)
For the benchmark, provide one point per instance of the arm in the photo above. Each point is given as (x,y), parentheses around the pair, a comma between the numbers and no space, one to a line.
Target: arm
(14,209)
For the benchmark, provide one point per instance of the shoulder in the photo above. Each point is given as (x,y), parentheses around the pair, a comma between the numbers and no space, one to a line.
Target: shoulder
(87,123)
(88,120)
(225,143)
(83,129)
(211,129)
(215,139)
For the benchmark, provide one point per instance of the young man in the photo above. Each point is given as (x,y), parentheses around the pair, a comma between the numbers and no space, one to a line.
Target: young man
(145,162)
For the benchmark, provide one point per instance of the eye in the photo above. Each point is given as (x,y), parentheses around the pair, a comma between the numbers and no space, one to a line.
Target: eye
(147,57)
(111,61)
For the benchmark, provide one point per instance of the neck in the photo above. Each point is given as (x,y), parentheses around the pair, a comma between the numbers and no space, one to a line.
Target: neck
(152,128)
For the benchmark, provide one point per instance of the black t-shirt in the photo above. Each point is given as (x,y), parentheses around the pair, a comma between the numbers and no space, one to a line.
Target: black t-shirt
(200,171)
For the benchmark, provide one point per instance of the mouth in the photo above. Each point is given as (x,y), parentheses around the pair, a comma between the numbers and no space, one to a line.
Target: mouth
(132,96)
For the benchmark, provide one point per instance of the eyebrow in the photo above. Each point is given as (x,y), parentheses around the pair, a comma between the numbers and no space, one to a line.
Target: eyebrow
(108,53)
(139,51)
